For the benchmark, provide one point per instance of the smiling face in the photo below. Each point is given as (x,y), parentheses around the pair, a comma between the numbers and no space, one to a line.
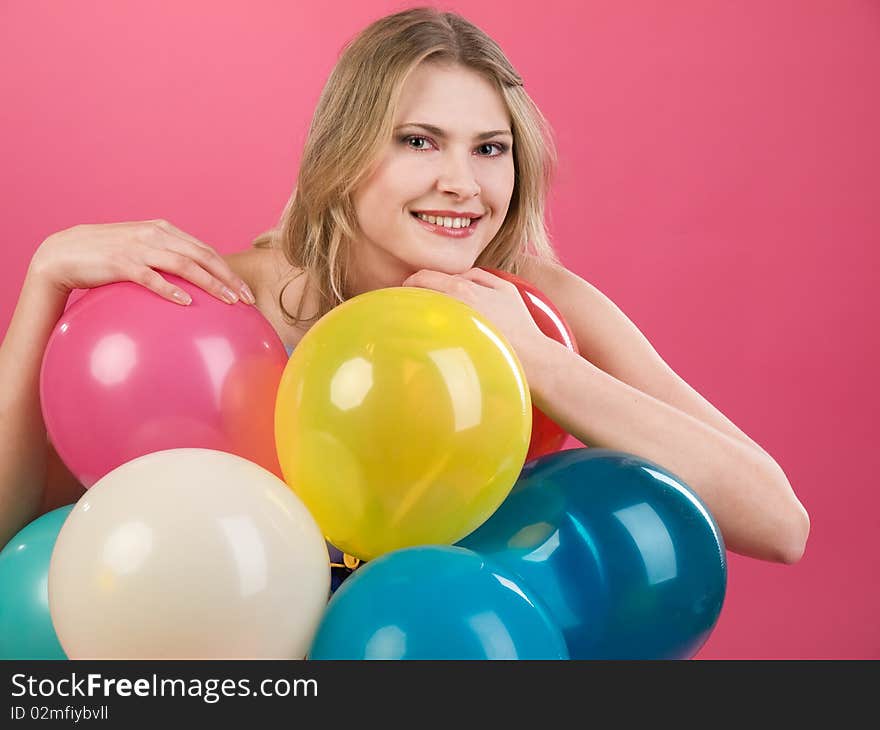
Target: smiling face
(456,166)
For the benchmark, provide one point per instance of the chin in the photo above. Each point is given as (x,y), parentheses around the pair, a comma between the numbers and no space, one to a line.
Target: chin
(444,265)
(444,260)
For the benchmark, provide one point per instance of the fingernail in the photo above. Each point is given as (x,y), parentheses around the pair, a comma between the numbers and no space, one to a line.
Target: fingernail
(182,297)
(247,294)
(229,295)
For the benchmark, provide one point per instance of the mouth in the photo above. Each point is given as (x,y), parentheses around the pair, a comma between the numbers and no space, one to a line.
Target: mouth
(438,226)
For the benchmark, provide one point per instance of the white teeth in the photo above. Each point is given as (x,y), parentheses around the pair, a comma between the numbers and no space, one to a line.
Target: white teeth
(445,221)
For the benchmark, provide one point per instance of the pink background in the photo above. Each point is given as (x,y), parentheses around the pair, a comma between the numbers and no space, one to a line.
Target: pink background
(719,180)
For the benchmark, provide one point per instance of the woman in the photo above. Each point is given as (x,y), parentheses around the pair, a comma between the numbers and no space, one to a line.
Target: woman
(426,160)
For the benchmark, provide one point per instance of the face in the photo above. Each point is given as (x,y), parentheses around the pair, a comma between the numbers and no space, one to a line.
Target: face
(455,167)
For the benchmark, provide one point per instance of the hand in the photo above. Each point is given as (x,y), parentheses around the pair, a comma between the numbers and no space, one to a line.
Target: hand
(497,299)
(86,256)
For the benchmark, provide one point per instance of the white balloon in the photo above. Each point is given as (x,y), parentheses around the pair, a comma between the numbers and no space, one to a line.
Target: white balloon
(188,554)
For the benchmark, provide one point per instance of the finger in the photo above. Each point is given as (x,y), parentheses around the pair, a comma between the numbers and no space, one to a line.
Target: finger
(155,282)
(214,264)
(429,279)
(161,233)
(174,230)
(485,278)
(183,266)
(453,286)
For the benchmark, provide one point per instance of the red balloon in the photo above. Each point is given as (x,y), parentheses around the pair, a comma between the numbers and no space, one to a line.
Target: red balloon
(126,373)
(547,435)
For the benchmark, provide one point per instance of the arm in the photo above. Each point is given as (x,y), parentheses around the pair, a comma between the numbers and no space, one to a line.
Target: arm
(622,395)
(619,394)
(81,257)
(24,450)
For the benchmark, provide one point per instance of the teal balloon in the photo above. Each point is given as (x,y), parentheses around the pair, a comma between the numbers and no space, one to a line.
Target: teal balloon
(626,557)
(26,630)
(435,602)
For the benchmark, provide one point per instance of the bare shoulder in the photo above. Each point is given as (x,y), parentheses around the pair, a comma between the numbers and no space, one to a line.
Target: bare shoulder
(611,341)
(270,276)
(593,317)
(258,266)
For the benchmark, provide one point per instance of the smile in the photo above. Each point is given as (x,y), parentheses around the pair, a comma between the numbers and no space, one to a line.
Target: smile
(450,227)
(446,222)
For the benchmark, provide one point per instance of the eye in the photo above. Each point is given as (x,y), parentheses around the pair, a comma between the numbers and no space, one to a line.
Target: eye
(415,138)
(502,148)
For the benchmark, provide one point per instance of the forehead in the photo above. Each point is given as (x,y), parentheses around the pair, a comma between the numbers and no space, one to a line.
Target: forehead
(451,97)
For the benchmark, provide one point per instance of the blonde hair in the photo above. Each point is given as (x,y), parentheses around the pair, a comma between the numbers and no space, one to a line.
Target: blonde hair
(353,123)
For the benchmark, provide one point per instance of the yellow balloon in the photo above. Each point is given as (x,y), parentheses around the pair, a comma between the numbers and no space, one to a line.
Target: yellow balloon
(402,418)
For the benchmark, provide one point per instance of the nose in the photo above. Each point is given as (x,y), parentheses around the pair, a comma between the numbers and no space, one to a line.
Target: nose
(457,177)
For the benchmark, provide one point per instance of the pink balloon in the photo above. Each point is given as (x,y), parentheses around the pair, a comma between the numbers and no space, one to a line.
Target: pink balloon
(126,373)
(74,297)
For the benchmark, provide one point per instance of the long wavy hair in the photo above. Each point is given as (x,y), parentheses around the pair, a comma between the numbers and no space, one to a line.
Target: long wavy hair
(353,123)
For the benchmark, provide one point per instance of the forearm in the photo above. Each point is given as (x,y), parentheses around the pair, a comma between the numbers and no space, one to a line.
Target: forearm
(744,489)
(23,442)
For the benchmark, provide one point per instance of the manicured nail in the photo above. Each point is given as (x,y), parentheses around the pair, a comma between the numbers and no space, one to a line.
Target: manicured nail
(229,295)
(247,294)
(182,296)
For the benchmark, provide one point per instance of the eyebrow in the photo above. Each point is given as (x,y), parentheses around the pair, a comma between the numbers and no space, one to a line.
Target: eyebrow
(440,133)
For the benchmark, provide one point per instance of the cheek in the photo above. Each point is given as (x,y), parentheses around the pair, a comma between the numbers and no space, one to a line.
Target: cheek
(498,187)
(374,203)
(410,177)
(398,185)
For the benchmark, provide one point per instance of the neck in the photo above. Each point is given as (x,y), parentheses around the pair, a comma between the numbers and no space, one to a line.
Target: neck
(374,269)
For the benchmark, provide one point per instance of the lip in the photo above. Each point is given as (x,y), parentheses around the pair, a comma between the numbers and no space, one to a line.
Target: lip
(450,213)
(448,232)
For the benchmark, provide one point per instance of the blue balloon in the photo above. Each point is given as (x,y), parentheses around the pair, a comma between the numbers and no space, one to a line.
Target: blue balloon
(628,560)
(435,602)
(26,630)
